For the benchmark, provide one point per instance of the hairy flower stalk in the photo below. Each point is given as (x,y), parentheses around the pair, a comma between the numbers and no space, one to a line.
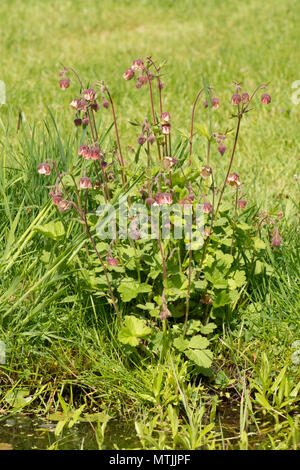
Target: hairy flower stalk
(192,123)
(123,174)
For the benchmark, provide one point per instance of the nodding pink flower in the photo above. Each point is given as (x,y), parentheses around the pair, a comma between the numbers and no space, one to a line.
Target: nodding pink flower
(160,85)
(276,239)
(236,99)
(280,215)
(44,169)
(245,98)
(63,206)
(165,118)
(165,312)
(206,299)
(135,234)
(103,164)
(94,153)
(141,139)
(206,207)
(129,74)
(265,98)
(166,129)
(85,121)
(242,204)
(169,162)
(187,200)
(89,94)
(205,104)
(205,172)
(112,261)
(95,106)
(85,183)
(149,201)
(83,151)
(162,198)
(138,64)
(142,79)
(222,149)
(206,232)
(77,122)
(64,83)
(233,180)
(56,197)
(151,139)
(215,103)
(105,104)
(81,105)
(74,103)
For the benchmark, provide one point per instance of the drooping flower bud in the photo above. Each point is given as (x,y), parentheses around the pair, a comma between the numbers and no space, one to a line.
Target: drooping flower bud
(94,153)
(160,85)
(105,104)
(44,169)
(138,64)
(141,139)
(112,261)
(64,83)
(222,149)
(85,183)
(206,299)
(163,198)
(165,312)
(276,239)
(151,139)
(74,103)
(85,121)
(205,104)
(245,98)
(129,74)
(81,105)
(56,197)
(215,102)
(142,79)
(77,122)
(206,207)
(83,151)
(265,98)
(149,201)
(166,129)
(187,200)
(95,106)
(165,118)
(63,206)
(206,232)
(242,204)
(236,99)
(233,180)
(169,162)
(205,172)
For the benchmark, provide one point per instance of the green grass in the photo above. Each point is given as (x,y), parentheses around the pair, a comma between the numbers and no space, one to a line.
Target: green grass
(54,344)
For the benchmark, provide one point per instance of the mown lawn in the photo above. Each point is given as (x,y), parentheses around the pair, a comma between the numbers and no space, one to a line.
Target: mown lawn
(54,345)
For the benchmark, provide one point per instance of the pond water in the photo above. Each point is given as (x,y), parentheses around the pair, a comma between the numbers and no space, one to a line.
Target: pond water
(25,432)
(21,432)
